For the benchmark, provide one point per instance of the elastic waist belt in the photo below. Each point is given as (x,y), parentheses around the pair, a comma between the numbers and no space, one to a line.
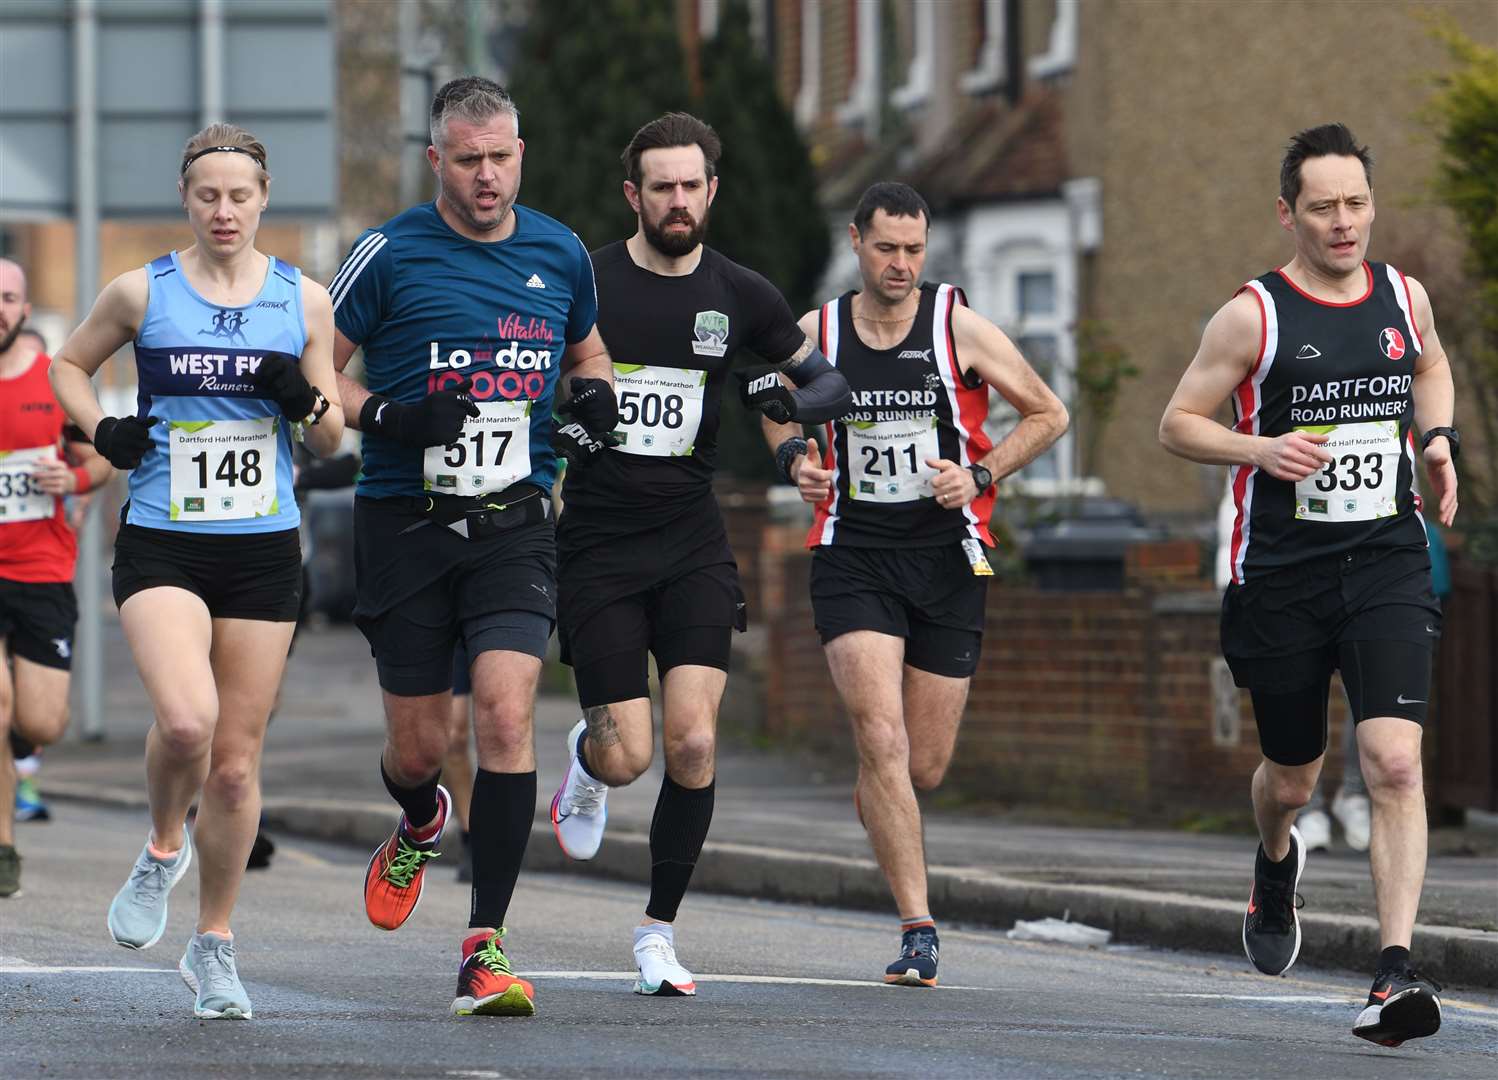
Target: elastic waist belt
(479,516)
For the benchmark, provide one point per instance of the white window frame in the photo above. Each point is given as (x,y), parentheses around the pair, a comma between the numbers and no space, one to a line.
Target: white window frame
(707,19)
(809,94)
(862,107)
(1003,242)
(989,73)
(919,75)
(1061,50)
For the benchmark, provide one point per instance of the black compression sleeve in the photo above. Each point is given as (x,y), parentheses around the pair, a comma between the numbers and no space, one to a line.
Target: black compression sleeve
(821,393)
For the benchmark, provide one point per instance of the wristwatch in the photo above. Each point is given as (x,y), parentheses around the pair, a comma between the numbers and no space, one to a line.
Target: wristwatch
(1452,436)
(319,409)
(982,477)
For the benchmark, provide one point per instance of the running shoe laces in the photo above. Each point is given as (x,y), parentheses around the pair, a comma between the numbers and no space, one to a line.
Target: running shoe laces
(1277,901)
(217,966)
(408,860)
(1405,974)
(918,944)
(490,955)
(657,946)
(150,881)
(586,798)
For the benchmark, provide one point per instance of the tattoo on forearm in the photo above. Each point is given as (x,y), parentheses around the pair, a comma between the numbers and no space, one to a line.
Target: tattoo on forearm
(602,730)
(795,359)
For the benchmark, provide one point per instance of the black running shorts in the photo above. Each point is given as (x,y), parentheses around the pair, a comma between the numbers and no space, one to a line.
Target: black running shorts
(36,621)
(237,576)
(1281,631)
(1370,613)
(422,588)
(928,595)
(665,586)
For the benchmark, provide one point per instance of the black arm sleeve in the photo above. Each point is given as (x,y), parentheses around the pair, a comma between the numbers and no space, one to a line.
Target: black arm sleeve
(821,393)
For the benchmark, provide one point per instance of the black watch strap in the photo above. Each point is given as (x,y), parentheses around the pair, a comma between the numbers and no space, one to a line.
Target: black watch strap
(982,477)
(320,409)
(1452,436)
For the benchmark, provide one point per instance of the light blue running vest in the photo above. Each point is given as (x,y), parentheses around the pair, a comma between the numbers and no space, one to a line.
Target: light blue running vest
(195,364)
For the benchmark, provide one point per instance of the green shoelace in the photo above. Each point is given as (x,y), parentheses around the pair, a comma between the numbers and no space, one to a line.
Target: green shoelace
(408,860)
(490,956)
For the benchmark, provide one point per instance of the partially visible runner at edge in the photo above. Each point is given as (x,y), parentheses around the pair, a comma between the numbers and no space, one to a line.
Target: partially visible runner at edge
(231,346)
(43,459)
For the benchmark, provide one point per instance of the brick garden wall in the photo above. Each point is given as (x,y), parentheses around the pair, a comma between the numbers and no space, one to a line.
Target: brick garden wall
(1092,702)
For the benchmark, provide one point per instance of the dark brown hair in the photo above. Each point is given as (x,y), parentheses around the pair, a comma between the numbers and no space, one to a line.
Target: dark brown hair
(1328,140)
(673,129)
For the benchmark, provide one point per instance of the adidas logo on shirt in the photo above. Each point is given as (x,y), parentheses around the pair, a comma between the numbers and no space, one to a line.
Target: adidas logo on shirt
(535,282)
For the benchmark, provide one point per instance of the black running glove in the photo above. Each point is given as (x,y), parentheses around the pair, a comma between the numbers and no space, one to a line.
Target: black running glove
(592,404)
(124,440)
(578,445)
(760,388)
(435,420)
(281,379)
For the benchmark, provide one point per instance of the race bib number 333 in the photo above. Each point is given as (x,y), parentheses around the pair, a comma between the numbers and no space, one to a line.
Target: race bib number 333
(1360,483)
(20,498)
(223,470)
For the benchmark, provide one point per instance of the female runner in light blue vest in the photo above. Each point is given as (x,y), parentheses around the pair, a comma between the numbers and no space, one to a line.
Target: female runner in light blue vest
(230,347)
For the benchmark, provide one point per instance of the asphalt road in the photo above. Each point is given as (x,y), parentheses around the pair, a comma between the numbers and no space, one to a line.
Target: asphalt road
(785,991)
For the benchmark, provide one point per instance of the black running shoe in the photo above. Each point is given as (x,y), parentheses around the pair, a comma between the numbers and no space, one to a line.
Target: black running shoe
(1271,928)
(260,852)
(916,965)
(1401,1005)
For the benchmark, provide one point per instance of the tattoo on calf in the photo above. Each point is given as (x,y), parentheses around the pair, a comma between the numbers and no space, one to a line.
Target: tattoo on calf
(602,729)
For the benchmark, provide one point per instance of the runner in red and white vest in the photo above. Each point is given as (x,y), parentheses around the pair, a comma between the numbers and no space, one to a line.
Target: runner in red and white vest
(903,495)
(41,464)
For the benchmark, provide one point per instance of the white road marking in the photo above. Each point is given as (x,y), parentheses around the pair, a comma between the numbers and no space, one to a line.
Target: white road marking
(771,980)
(23,968)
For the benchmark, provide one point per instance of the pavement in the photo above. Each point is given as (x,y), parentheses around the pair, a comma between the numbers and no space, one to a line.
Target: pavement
(784,829)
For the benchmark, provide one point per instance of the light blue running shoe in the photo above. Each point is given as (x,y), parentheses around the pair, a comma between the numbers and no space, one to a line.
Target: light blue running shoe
(137,916)
(207,968)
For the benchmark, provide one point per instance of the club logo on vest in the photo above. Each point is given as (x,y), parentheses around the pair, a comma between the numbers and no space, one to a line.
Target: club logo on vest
(1391,342)
(711,332)
(228,325)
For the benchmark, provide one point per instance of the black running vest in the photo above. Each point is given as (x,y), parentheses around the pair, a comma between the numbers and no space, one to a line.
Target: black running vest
(910,403)
(1345,370)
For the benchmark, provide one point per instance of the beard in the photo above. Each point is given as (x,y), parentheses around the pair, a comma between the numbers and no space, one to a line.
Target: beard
(468,209)
(9,337)
(675,245)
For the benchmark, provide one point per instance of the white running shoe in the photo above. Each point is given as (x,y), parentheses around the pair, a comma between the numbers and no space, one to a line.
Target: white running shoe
(1355,816)
(655,957)
(579,810)
(1315,829)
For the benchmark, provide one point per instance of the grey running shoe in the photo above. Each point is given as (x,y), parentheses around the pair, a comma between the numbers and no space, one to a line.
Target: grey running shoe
(207,968)
(10,871)
(137,917)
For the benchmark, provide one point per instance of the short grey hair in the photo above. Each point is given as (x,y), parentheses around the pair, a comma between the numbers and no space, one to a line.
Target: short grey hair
(470,98)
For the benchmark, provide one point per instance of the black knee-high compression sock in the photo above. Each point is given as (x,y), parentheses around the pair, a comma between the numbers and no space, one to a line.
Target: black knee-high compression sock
(499,819)
(419,802)
(677,833)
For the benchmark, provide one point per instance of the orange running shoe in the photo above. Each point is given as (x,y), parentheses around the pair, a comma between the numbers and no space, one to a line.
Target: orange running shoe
(393,882)
(486,985)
